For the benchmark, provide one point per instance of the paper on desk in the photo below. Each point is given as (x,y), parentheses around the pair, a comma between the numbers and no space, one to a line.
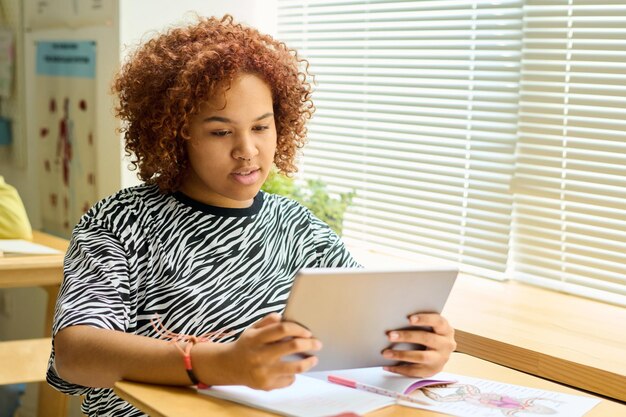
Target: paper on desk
(474,397)
(24,247)
(306,397)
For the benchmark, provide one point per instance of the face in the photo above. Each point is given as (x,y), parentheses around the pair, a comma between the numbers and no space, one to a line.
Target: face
(231,144)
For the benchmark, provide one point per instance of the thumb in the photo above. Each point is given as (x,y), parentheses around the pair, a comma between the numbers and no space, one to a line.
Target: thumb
(267,320)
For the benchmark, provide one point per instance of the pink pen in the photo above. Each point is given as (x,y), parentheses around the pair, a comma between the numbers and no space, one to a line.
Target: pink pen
(364,387)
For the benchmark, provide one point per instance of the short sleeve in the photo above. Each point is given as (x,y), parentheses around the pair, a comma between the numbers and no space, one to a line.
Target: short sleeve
(95,288)
(331,251)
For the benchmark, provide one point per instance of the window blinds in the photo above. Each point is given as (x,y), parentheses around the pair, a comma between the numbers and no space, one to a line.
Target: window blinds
(570,184)
(417,105)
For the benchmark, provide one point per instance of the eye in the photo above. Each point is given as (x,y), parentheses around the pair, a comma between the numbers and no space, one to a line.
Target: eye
(220,133)
(260,128)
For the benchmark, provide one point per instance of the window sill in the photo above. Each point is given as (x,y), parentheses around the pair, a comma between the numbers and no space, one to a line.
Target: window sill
(564,338)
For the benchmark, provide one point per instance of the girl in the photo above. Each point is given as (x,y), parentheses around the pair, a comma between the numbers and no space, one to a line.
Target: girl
(198,253)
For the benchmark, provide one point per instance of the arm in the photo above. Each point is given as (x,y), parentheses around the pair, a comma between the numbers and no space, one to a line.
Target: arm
(98,357)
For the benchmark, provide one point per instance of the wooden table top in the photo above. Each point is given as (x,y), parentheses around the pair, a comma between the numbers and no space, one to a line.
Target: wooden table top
(34,270)
(564,338)
(166,401)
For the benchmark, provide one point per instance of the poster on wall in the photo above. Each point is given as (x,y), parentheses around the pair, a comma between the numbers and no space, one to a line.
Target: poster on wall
(51,14)
(65,115)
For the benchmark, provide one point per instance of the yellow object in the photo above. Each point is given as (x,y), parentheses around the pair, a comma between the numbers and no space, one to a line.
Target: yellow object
(14,222)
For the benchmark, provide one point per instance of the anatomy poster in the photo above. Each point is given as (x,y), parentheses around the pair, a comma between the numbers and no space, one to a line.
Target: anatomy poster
(65,116)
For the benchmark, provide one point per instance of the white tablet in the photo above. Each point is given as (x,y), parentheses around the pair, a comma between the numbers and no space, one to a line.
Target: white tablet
(350,310)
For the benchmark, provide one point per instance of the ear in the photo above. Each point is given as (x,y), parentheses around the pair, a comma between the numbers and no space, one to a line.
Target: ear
(184,132)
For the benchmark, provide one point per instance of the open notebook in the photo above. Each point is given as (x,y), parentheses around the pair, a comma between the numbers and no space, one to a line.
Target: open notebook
(312,395)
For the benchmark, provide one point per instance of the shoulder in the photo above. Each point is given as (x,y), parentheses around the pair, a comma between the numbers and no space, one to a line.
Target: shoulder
(285,209)
(132,204)
(292,214)
(279,202)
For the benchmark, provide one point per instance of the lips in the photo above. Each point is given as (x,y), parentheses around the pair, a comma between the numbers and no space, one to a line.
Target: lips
(245,171)
(247,176)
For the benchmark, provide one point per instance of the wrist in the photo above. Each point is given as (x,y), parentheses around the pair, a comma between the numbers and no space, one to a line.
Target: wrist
(210,364)
(191,374)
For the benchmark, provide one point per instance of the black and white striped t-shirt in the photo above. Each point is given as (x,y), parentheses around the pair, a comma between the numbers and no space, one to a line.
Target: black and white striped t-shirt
(201,268)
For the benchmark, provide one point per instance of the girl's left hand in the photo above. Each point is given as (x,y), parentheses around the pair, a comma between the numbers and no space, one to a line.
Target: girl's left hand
(439,344)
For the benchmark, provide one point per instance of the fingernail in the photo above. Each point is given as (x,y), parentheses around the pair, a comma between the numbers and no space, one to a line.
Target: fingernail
(388,354)
(386,368)
(415,319)
(393,335)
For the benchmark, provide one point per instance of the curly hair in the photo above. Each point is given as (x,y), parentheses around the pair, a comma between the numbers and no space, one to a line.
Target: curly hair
(167,79)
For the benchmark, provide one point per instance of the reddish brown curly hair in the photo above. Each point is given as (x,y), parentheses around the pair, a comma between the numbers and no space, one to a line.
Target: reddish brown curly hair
(166,80)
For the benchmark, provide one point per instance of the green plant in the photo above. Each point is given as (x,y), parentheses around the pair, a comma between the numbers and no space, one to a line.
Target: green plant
(314,196)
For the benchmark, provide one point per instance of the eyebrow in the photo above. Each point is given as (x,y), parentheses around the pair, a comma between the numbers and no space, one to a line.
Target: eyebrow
(227,120)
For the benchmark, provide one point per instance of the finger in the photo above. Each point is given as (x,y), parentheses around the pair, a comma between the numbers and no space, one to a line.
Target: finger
(269,319)
(292,346)
(284,381)
(424,357)
(296,367)
(422,337)
(277,331)
(438,323)
(412,370)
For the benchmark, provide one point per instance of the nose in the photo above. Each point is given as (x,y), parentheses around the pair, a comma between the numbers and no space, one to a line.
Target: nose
(244,148)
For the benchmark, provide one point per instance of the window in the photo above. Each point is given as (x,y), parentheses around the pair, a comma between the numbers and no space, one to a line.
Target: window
(570,185)
(448,116)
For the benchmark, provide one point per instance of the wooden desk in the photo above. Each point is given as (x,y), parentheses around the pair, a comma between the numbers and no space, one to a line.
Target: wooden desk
(564,338)
(40,271)
(24,360)
(164,401)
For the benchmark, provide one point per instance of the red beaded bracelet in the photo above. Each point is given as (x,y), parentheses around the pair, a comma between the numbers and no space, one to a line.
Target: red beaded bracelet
(187,358)
(189,341)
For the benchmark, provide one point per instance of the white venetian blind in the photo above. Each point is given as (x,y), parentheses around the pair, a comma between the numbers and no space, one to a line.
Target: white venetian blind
(417,105)
(570,184)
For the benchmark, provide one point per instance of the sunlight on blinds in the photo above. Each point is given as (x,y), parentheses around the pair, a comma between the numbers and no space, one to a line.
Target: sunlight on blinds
(417,111)
(570,184)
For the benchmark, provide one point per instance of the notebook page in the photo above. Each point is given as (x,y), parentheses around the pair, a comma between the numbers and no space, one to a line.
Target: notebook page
(306,397)
(24,247)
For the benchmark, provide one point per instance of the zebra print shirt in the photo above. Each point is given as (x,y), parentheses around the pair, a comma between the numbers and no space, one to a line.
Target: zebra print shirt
(201,268)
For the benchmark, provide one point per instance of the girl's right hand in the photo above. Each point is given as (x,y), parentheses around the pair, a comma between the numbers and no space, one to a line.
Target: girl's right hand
(255,359)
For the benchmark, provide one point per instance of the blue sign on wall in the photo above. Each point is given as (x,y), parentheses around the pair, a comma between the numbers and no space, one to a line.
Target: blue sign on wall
(67,59)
